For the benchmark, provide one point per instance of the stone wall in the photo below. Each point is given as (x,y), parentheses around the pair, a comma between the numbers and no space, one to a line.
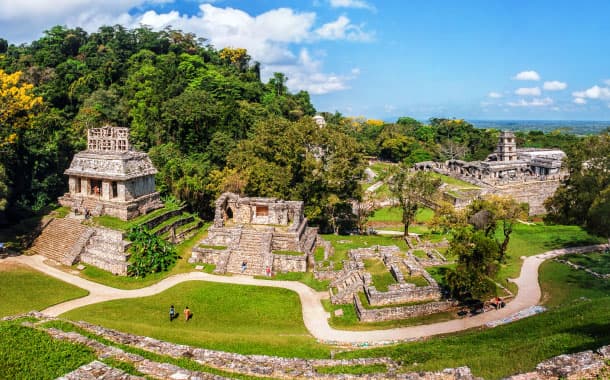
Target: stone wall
(400,312)
(402,293)
(533,192)
(289,263)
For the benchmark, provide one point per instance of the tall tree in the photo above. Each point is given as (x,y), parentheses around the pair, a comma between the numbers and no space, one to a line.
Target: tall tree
(412,189)
(476,263)
(583,198)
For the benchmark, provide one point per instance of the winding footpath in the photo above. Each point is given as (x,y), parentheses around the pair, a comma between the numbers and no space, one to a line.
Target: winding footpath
(314,315)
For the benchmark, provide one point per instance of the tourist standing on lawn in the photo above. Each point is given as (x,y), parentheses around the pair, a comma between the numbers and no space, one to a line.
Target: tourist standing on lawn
(172,313)
(187,314)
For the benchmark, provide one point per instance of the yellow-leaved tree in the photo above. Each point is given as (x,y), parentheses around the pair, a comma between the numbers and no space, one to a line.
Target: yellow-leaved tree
(17,106)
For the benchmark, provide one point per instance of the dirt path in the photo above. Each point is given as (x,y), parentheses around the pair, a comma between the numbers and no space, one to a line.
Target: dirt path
(314,315)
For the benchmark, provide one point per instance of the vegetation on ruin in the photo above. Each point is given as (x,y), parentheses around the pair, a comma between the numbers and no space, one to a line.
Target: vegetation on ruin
(124,282)
(31,354)
(576,321)
(358,369)
(253,320)
(182,362)
(149,253)
(380,275)
(29,290)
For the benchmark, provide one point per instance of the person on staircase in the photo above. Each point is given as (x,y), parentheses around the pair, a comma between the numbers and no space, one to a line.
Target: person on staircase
(244,266)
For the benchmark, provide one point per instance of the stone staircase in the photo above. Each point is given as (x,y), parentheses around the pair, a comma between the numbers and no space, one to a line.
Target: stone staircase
(252,249)
(106,249)
(61,240)
(346,286)
(94,207)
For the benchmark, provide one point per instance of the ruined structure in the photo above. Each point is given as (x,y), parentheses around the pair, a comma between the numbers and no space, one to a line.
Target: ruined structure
(262,232)
(110,178)
(530,175)
(401,300)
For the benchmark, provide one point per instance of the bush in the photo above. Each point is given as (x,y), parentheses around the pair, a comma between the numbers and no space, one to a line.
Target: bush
(149,253)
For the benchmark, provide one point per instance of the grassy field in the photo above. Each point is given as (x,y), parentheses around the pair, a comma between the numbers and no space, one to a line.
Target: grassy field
(23,289)
(577,320)
(394,214)
(306,278)
(243,319)
(118,224)
(122,282)
(454,182)
(597,262)
(381,276)
(31,354)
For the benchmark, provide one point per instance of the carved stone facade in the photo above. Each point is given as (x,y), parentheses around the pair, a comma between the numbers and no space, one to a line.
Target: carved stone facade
(529,175)
(260,232)
(111,179)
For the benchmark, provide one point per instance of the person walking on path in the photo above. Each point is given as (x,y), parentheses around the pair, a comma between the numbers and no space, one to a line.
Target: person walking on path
(172,313)
(187,314)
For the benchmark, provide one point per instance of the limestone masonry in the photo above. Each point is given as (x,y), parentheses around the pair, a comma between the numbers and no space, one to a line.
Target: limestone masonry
(109,178)
(263,233)
(529,175)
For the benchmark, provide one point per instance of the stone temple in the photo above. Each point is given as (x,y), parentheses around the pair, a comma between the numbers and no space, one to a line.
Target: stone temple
(110,178)
(529,175)
(263,232)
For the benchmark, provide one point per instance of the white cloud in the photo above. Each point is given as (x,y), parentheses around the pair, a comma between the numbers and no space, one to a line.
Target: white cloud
(274,38)
(351,4)
(607,82)
(389,108)
(594,92)
(307,75)
(527,75)
(580,101)
(343,29)
(536,102)
(528,91)
(555,85)
(494,95)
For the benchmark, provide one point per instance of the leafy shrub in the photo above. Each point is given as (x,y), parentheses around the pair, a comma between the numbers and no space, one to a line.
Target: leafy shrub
(149,253)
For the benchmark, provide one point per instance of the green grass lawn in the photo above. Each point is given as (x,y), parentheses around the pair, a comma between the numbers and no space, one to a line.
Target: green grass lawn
(118,224)
(23,289)
(242,319)
(454,182)
(381,276)
(306,278)
(597,262)
(123,282)
(577,320)
(342,244)
(31,354)
(528,240)
(394,214)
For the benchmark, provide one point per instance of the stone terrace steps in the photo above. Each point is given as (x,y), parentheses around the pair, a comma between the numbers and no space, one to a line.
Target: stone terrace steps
(58,238)
(249,249)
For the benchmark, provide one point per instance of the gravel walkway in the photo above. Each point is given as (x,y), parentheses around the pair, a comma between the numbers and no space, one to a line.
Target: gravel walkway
(314,315)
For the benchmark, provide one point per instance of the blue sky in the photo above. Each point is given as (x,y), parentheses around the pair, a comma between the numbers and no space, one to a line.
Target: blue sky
(490,59)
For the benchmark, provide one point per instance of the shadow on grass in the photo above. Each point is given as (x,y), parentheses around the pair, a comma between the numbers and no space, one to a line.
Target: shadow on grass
(598,333)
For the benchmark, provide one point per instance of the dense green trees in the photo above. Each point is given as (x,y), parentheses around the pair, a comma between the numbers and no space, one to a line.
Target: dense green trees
(584,198)
(208,121)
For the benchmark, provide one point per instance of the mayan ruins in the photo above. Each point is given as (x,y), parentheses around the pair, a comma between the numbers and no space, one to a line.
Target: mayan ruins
(110,178)
(260,232)
(529,175)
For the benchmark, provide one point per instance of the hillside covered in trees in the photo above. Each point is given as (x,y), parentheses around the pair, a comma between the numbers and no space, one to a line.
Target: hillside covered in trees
(208,121)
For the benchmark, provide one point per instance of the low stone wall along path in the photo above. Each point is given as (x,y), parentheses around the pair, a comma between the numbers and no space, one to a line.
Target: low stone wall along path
(314,315)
